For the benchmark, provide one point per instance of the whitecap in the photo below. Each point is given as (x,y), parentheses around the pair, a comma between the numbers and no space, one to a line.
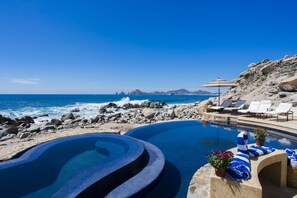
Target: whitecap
(86,110)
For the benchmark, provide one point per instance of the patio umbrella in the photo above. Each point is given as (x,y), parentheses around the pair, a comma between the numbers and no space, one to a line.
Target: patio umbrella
(219,83)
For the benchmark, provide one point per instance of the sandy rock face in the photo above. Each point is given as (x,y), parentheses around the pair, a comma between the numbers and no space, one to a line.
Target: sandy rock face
(274,80)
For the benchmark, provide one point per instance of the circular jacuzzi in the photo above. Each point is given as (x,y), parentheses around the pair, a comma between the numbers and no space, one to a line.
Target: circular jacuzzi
(92,165)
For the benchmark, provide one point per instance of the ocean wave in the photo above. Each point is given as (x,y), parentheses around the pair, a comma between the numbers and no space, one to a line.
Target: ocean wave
(85,110)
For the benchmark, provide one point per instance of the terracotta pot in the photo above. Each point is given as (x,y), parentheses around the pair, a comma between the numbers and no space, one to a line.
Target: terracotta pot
(259,143)
(221,172)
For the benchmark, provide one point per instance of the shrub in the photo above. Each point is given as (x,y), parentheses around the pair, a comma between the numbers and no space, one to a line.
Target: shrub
(220,159)
(260,134)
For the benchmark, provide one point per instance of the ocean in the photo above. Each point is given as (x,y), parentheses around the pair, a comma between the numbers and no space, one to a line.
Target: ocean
(16,105)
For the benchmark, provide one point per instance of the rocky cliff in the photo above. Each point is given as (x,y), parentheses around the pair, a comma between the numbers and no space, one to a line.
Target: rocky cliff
(275,80)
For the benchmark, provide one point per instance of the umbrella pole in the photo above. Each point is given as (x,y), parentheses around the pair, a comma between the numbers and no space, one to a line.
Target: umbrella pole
(219,97)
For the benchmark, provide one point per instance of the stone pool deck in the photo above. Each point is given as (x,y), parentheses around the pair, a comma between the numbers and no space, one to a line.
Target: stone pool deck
(200,183)
(200,186)
(273,126)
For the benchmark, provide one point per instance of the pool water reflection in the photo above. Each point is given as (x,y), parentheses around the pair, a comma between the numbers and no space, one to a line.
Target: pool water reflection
(185,145)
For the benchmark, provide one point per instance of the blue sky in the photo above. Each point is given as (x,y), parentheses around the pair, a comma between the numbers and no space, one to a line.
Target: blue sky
(85,46)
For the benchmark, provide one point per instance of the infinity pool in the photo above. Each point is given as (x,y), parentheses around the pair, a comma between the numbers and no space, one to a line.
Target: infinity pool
(185,145)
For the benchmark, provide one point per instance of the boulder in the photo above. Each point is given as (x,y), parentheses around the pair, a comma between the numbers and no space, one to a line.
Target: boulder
(69,121)
(60,127)
(156,105)
(273,90)
(103,110)
(48,127)
(9,121)
(294,98)
(171,113)
(114,115)
(148,113)
(2,133)
(245,74)
(23,135)
(77,119)
(56,122)
(252,65)
(282,94)
(24,125)
(25,119)
(265,60)
(95,119)
(33,128)
(10,130)
(279,79)
(67,116)
(75,110)
(7,137)
(287,87)
(84,120)
(128,106)
(268,68)
(289,84)
(111,105)
(178,111)
(145,104)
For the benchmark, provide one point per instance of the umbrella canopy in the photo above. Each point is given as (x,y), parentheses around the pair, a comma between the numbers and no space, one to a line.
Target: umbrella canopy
(219,83)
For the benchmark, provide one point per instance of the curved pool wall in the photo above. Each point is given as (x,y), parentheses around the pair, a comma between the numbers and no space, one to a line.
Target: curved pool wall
(146,179)
(185,145)
(92,165)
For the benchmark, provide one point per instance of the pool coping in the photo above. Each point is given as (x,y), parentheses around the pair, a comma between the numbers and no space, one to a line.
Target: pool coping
(251,123)
(152,172)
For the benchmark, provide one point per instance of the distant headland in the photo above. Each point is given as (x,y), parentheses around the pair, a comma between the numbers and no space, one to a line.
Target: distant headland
(172,92)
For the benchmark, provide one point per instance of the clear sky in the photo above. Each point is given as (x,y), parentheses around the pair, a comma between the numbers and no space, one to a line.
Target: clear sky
(104,46)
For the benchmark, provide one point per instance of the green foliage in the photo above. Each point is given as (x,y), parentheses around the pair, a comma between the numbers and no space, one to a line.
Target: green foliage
(220,159)
(260,134)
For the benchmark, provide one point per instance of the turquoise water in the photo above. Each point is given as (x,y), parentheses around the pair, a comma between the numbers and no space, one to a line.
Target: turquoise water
(67,171)
(56,167)
(185,145)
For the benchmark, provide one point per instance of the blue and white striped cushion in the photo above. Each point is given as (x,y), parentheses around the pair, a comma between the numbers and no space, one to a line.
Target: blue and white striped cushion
(255,151)
(292,157)
(242,141)
(240,166)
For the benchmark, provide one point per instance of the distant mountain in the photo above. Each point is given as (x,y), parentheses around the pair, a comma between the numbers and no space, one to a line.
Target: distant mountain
(172,92)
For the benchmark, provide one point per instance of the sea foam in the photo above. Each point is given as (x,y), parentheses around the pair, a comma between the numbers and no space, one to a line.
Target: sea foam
(85,110)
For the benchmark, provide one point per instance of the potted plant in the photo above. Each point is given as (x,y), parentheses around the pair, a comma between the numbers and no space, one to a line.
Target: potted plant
(260,135)
(220,160)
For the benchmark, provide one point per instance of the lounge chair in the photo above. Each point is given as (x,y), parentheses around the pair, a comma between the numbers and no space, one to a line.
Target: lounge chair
(238,105)
(263,107)
(225,104)
(282,109)
(253,107)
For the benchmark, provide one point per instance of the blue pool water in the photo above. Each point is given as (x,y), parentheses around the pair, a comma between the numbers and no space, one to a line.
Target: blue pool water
(185,145)
(45,169)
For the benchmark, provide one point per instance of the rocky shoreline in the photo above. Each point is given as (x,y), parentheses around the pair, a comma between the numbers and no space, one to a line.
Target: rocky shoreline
(274,80)
(24,132)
